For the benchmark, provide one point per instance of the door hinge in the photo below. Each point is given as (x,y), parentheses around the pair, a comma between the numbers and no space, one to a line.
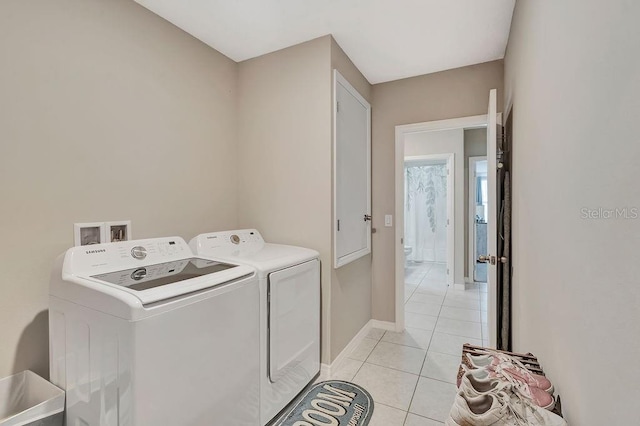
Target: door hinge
(338,225)
(337,106)
(447,271)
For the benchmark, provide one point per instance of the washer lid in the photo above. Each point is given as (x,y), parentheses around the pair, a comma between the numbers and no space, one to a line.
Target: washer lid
(151,276)
(152,283)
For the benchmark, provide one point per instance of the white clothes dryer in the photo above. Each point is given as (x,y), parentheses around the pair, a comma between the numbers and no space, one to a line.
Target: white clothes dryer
(145,333)
(289,311)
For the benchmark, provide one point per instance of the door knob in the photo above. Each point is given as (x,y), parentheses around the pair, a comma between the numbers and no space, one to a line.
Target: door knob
(367,217)
(488,259)
(503,259)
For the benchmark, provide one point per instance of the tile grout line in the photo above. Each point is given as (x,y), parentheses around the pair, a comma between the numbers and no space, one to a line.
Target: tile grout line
(365,360)
(425,357)
(424,417)
(413,394)
(438,317)
(415,347)
(406,346)
(428,347)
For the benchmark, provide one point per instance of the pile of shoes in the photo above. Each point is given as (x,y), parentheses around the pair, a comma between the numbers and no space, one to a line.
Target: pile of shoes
(497,389)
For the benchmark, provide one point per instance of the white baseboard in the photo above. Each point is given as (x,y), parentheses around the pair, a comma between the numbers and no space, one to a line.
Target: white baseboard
(327,370)
(383,325)
(335,365)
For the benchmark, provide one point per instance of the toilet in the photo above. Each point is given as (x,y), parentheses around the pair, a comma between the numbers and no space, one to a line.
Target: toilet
(407,252)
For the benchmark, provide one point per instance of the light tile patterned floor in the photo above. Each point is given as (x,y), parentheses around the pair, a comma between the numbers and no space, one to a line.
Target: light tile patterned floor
(411,375)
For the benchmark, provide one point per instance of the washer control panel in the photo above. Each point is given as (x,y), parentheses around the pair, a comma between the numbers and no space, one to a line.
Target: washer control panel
(125,254)
(139,252)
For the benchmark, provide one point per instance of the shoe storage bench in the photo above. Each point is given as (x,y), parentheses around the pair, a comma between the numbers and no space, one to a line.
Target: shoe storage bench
(528,360)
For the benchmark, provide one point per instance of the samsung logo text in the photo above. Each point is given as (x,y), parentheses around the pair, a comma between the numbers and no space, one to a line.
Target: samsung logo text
(96,251)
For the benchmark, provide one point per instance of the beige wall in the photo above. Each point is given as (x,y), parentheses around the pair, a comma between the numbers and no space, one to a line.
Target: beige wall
(445,142)
(284,146)
(89,80)
(351,283)
(575,88)
(107,112)
(449,94)
(475,145)
(285,154)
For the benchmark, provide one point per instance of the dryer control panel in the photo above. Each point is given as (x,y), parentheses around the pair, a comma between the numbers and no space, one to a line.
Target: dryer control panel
(228,241)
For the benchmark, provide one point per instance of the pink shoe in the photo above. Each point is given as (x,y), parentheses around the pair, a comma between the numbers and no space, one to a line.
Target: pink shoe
(482,381)
(511,365)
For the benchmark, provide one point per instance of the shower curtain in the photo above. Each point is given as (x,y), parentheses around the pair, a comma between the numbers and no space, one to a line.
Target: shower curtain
(426,212)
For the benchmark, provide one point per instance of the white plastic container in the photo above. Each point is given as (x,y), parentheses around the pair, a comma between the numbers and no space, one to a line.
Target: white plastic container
(28,399)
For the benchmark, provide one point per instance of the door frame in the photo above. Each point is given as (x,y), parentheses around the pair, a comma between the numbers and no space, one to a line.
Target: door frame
(472,215)
(449,159)
(470,122)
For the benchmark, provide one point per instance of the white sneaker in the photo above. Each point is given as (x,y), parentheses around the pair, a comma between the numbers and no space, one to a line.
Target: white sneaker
(499,409)
(479,382)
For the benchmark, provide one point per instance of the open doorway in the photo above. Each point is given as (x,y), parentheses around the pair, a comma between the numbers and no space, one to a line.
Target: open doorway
(478,212)
(434,295)
(428,218)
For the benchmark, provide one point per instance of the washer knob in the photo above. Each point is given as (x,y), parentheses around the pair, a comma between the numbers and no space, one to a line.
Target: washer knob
(235,239)
(139,252)
(139,274)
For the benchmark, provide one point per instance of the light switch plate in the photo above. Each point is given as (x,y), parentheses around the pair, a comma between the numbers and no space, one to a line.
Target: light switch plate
(388,220)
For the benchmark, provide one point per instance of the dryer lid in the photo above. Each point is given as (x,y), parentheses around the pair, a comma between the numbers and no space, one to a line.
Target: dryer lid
(247,247)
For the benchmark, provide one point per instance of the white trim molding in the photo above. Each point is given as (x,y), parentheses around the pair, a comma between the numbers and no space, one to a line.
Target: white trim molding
(383,325)
(449,160)
(326,370)
(472,214)
(471,122)
(360,335)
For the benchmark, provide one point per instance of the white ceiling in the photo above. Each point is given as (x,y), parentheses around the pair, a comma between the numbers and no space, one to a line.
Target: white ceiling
(386,39)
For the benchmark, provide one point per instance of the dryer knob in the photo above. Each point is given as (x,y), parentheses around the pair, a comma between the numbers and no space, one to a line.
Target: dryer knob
(235,239)
(139,252)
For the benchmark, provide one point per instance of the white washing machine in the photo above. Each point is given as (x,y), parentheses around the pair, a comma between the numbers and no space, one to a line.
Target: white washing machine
(289,315)
(145,333)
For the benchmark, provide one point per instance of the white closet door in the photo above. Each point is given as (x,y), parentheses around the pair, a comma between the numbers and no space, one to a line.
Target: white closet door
(352,173)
